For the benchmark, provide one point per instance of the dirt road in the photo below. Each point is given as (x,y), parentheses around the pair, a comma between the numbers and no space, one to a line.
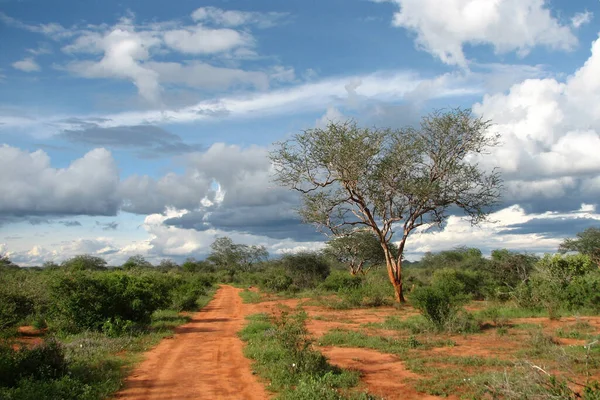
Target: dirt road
(204,359)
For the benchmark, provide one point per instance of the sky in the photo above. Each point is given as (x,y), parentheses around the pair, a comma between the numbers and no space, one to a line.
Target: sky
(143,127)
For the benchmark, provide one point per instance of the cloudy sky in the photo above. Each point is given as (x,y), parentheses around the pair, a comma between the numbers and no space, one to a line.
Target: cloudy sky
(142,127)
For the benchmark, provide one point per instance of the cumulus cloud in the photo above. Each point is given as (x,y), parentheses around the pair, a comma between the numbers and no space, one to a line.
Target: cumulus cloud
(507,25)
(514,228)
(229,175)
(31,186)
(551,136)
(27,64)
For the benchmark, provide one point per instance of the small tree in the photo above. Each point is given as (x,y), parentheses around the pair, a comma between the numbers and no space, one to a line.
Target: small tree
(226,254)
(137,261)
(381,178)
(359,250)
(587,242)
(85,262)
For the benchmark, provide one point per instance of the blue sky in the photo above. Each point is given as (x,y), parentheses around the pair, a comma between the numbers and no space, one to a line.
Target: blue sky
(142,127)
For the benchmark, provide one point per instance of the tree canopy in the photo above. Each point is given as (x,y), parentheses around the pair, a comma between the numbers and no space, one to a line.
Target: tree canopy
(226,254)
(389,180)
(359,250)
(587,242)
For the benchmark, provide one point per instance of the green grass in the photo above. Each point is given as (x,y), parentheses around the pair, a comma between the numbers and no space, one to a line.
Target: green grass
(344,338)
(413,324)
(580,330)
(283,355)
(250,297)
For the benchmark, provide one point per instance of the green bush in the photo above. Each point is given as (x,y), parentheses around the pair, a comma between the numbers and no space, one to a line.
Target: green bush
(14,308)
(45,361)
(341,280)
(64,388)
(284,355)
(88,300)
(187,290)
(306,269)
(441,301)
(276,280)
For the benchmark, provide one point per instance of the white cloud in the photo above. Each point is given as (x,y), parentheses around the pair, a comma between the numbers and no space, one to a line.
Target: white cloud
(581,18)
(444,27)
(27,64)
(236,18)
(551,133)
(502,233)
(389,86)
(31,186)
(202,40)
(331,115)
(129,50)
(202,75)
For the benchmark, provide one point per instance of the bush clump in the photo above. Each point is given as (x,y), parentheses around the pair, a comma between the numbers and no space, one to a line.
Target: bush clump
(87,301)
(441,302)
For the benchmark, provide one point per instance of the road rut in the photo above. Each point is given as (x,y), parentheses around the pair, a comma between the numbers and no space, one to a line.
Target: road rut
(203,360)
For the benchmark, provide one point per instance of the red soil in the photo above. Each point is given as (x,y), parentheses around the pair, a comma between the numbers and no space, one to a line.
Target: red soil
(203,360)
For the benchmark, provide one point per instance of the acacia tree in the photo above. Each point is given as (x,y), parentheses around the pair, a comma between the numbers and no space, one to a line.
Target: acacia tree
(587,243)
(359,250)
(388,180)
(226,254)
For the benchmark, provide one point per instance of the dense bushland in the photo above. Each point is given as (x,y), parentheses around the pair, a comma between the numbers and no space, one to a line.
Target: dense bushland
(88,312)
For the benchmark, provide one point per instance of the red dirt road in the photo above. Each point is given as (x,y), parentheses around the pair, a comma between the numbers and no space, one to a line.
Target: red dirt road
(204,359)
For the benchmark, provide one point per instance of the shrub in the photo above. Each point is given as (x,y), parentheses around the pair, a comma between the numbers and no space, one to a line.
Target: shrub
(341,280)
(306,269)
(284,355)
(45,361)
(277,281)
(13,308)
(86,301)
(441,301)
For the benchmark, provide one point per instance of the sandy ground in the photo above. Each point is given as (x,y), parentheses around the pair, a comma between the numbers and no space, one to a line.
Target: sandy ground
(203,360)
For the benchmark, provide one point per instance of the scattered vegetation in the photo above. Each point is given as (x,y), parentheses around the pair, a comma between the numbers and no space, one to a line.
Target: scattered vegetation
(285,357)
(94,318)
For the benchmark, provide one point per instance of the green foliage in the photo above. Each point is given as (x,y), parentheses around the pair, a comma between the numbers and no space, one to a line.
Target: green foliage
(186,292)
(250,297)
(284,355)
(358,250)
(85,262)
(387,178)
(564,268)
(508,270)
(307,269)
(226,254)
(441,301)
(136,261)
(567,282)
(340,280)
(276,280)
(587,243)
(14,307)
(192,265)
(87,300)
(45,361)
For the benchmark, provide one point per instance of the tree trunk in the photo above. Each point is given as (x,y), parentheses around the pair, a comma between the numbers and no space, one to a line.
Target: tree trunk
(398,292)
(394,269)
